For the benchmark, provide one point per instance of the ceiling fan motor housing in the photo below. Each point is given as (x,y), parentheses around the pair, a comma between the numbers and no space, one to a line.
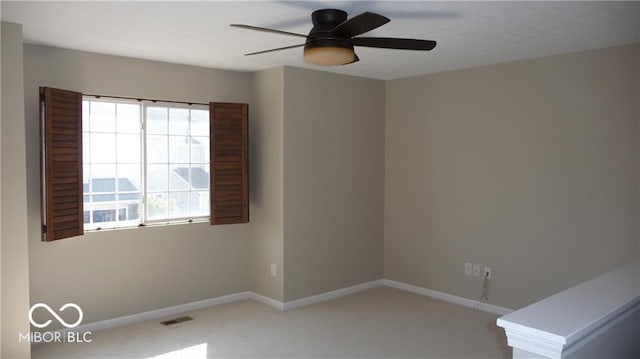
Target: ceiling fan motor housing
(320,36)
(326,19)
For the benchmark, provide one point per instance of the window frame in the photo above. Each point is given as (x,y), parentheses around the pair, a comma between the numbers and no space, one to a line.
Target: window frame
(144,134)
(145,195)
(86,124)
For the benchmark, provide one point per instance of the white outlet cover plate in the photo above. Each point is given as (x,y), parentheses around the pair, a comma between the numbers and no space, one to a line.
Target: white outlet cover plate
(467,268)
(476,270)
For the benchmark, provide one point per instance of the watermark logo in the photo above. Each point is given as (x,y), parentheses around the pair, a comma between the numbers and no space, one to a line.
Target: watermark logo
(64,336)
(55,315)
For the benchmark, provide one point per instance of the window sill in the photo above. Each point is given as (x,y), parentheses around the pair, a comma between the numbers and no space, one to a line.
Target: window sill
(149,225)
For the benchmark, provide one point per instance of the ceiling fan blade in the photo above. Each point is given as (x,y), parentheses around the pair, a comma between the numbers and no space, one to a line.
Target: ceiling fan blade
(359,24)
(395,43)
(271,50)
(264,29)
(355,59)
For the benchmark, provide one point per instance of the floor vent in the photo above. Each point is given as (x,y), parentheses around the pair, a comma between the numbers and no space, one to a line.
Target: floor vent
(177,320)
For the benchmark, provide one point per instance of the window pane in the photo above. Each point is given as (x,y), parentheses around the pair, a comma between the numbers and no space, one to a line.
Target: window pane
(103,197)
(129,178)
(129,204)
(178,149)
(179,178)
(157,120)
(178,121)
(157,149)
(103,148)
(199,203)
(108,215)
(178,204)
(128,148)
(103,116)
(128,119)
(200,177)
(200,150)
(157,178)
(103,174)
(133,211)
(157,206)
(101,185)
(122,214)
(199,123)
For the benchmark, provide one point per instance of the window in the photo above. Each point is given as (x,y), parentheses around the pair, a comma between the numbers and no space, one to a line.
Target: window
(177,143)
(144,162)
(110,162)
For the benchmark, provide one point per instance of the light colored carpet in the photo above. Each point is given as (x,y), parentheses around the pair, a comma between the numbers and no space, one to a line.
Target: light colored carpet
(378,323)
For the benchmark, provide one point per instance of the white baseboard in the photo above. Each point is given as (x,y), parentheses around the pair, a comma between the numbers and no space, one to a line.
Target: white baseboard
(183,308)
(159,313)
(485,307)
(266,300)
(323,297)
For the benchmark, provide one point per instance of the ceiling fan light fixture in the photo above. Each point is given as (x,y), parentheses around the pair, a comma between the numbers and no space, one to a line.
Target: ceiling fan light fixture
(329,55)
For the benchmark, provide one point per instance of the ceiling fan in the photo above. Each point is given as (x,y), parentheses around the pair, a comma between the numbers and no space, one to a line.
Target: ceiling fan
(332,38)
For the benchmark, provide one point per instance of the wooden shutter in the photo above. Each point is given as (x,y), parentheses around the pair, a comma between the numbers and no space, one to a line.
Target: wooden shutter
(229,163)
(61,163)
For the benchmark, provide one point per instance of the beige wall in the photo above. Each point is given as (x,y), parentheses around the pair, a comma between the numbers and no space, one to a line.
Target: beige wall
(115,273)
(266,171)
(14,258)
(543,186)
(333,181)
(317,181)
(529,167)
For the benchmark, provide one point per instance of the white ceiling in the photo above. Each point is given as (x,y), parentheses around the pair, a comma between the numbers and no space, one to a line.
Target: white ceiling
(469,34)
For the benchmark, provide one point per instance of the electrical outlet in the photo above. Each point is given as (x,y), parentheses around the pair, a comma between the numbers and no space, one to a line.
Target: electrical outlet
(467,268)
(476,270)
(274,269)
(487,273)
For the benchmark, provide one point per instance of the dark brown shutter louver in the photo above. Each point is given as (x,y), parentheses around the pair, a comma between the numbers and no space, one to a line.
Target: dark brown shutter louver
(229,163)
(61,161)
